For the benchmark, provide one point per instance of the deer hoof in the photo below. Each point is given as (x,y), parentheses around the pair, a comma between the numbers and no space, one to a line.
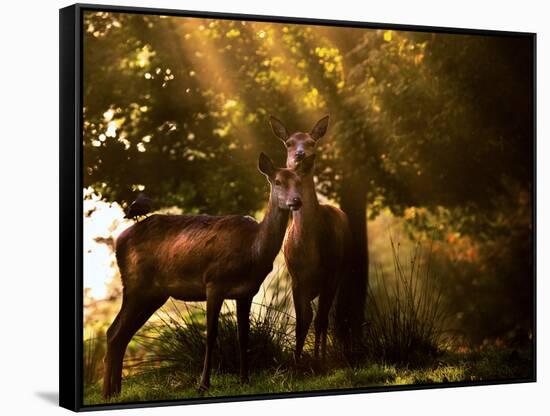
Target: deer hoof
(202,389)
(109,395)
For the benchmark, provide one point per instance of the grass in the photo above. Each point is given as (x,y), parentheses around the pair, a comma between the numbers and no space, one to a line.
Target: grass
(92,359)
(406,321)
(177,342)
(167,384)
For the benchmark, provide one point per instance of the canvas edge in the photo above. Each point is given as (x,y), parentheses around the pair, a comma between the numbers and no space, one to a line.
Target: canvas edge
(299,20)
(70,209)
(70,199)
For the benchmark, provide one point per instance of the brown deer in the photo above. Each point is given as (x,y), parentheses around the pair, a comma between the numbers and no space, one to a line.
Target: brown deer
(316,243)
(198,258)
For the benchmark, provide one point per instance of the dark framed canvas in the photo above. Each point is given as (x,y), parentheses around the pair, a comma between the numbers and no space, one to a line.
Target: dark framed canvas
(259,207)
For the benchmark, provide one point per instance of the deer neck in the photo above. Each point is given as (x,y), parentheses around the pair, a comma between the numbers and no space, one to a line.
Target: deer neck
(272,231)
(304,221)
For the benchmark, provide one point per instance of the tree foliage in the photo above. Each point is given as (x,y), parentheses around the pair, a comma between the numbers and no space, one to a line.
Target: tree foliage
(442,123)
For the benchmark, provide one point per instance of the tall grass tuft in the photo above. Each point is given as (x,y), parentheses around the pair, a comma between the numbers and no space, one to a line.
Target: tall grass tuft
(405,315)
(92,359)
(176,341)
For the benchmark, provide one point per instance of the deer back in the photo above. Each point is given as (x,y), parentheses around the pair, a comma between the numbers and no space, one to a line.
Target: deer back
(180,252)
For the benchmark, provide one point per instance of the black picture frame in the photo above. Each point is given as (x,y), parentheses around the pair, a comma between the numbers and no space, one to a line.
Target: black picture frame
(71,203)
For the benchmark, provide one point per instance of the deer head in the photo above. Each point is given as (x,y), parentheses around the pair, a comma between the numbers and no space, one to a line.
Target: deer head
(286,184)
(299,145)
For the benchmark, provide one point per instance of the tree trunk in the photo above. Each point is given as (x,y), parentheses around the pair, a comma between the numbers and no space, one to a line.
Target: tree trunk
(351,299)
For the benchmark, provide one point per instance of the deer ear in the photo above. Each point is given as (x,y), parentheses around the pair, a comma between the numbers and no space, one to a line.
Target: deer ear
(278,128)
(266,166)
(305,167)
(320,128)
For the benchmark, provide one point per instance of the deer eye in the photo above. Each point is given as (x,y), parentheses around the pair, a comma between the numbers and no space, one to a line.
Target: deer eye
(277,182)
(288,144)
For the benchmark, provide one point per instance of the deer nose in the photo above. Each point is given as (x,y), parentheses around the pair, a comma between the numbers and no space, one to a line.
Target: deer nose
(299,155)
(295,203)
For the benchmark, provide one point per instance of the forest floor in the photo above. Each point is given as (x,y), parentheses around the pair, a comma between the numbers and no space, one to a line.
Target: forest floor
(480,366)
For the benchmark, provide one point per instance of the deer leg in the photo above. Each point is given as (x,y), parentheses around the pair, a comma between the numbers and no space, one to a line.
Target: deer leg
(304,314)
(318,335)
(108,359)
(243,321)
(321,322)
(133,314)
(318,330)
(324,346)
(213,305)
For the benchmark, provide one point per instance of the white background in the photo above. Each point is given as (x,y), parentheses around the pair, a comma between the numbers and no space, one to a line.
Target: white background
(29,205)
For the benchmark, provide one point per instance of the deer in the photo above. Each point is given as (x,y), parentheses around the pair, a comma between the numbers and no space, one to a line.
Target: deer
(316,243)
(199,258)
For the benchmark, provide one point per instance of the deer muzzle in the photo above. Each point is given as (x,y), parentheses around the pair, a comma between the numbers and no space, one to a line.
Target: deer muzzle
(295,203)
